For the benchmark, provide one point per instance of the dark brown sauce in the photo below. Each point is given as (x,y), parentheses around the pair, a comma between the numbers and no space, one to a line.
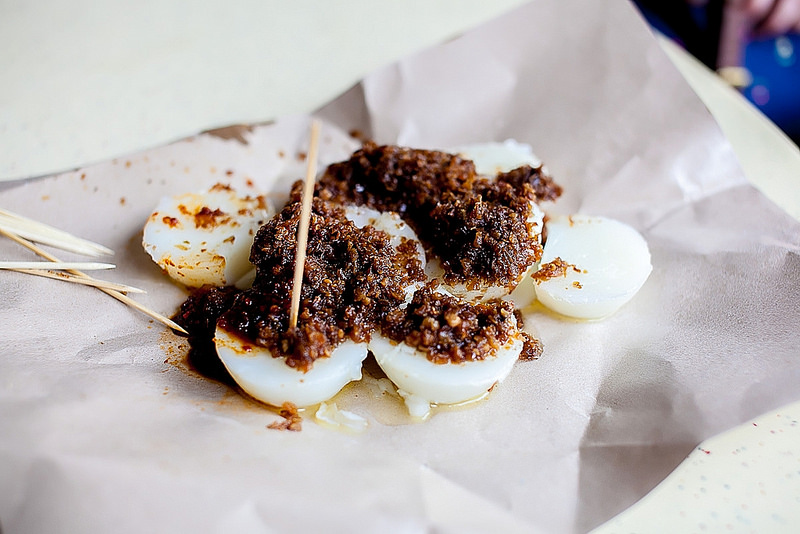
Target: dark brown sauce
(478,227)
(449,330)
(354,280)
(198,315)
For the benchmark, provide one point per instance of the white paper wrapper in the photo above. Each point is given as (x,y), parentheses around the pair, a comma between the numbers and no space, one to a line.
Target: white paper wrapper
(103,429)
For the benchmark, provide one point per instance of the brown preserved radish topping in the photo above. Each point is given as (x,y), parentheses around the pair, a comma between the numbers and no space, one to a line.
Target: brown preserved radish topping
(352,278)
(355,282)
(449,330)
(478,227)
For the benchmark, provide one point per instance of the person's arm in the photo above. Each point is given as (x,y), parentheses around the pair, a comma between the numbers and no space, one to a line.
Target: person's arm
(772,17)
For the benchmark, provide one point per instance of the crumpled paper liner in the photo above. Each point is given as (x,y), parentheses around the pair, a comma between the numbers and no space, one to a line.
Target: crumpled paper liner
(104,429)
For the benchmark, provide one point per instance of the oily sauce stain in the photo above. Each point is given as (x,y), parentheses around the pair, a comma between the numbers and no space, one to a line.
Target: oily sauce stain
(181,356)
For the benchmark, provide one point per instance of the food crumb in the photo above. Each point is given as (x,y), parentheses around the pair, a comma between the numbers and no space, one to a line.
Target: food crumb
(532,349)
(128,163)
(121,201)
(553,269)
(291,419)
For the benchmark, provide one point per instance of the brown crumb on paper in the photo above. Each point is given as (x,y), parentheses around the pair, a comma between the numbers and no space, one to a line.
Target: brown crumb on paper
(357,134)
(291,419)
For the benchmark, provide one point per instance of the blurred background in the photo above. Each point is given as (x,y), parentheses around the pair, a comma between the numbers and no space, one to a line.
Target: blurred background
(753,44)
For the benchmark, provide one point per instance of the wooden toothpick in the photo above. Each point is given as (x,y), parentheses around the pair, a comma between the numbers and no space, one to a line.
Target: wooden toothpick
(45,234)
(94,282)
(302,226)
(56,265)
(110,292)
